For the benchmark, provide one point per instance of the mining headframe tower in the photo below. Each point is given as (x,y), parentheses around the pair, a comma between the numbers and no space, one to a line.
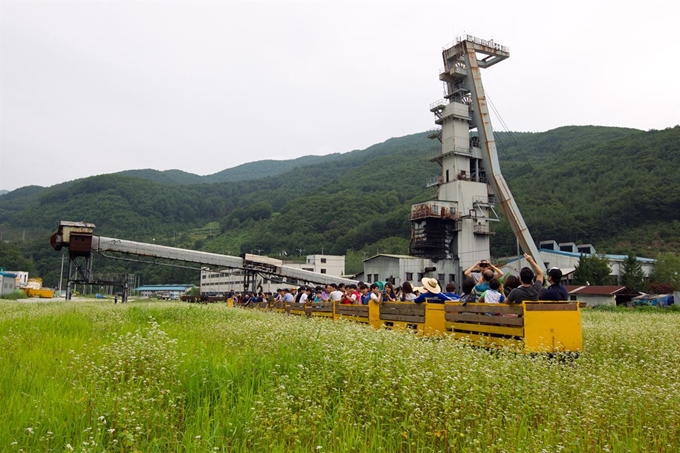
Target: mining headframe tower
(453,229)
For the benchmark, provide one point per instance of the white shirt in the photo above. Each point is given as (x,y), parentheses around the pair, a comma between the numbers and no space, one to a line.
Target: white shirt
(335,295)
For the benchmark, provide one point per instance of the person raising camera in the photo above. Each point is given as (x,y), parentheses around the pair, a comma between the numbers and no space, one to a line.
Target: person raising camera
(486,271)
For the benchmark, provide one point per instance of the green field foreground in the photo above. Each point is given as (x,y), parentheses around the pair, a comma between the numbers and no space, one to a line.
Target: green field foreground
(177,377)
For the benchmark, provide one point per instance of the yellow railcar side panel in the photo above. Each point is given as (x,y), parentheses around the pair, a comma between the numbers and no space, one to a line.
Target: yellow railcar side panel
(552,330)
(435,320)
(374,314)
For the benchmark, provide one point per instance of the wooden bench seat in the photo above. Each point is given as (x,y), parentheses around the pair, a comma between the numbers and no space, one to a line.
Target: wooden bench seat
(355,311)
(322,307)
(402,311)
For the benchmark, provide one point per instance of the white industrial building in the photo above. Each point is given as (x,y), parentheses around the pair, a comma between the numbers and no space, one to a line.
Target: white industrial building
(323,264)
(7,283)
(21,278)
(565,256)
(596,296)
(405,268)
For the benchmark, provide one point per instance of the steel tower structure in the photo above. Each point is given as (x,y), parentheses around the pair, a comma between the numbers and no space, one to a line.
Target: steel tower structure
(455,225)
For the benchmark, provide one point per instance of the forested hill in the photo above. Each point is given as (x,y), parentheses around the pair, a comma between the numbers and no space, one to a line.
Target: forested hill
(512,147)
(621,194)
(616,188)
(245,172)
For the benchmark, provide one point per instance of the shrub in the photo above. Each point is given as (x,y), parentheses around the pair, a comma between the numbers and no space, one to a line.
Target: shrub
(17,294)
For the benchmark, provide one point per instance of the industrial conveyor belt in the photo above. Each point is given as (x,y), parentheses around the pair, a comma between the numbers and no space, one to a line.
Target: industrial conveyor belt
(249,262)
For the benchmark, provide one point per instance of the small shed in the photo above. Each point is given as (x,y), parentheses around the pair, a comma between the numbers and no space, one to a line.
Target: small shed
(594,295)
(7,283)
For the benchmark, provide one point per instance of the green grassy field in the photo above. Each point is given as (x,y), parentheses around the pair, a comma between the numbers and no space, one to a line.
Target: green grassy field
(175,377)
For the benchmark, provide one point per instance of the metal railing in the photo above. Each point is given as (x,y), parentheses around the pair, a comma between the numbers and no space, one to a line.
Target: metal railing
(440,102)
(435,208)
(482,200)
(434,181)
(474,39)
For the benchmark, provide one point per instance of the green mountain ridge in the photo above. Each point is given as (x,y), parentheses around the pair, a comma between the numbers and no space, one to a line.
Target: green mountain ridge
(244,172)
(613,187)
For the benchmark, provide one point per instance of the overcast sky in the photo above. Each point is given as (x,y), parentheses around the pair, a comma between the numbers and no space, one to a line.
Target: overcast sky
(93,87)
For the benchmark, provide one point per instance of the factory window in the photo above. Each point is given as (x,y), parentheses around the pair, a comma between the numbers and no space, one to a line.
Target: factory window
(420,276)
(409,276)
(375,277)
(440,277)
(447,176)
(323,271)
(452,278)
(323,260)
(368,278)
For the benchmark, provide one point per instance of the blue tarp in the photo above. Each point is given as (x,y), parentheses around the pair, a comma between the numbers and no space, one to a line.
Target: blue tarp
(662,300)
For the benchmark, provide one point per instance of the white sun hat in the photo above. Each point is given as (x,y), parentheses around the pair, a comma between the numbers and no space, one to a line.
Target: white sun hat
(431,285)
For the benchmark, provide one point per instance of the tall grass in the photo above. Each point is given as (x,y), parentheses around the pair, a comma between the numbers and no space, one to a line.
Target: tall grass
(166,376)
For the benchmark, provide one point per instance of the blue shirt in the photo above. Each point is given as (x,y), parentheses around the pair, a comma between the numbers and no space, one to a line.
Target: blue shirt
(481,287)
(428,295)
(554,292)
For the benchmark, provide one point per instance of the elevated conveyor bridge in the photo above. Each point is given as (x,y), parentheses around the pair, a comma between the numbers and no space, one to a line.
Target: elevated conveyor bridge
(78,237)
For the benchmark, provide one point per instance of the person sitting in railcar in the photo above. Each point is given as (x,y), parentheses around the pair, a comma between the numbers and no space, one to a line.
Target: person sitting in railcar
(555,291)
(433,292)
(494,294)
(529,288)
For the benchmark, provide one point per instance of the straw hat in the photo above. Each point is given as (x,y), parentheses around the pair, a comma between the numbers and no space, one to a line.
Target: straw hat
(431,285)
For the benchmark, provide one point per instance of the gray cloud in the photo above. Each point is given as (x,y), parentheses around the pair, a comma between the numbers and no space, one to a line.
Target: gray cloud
(97,87)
